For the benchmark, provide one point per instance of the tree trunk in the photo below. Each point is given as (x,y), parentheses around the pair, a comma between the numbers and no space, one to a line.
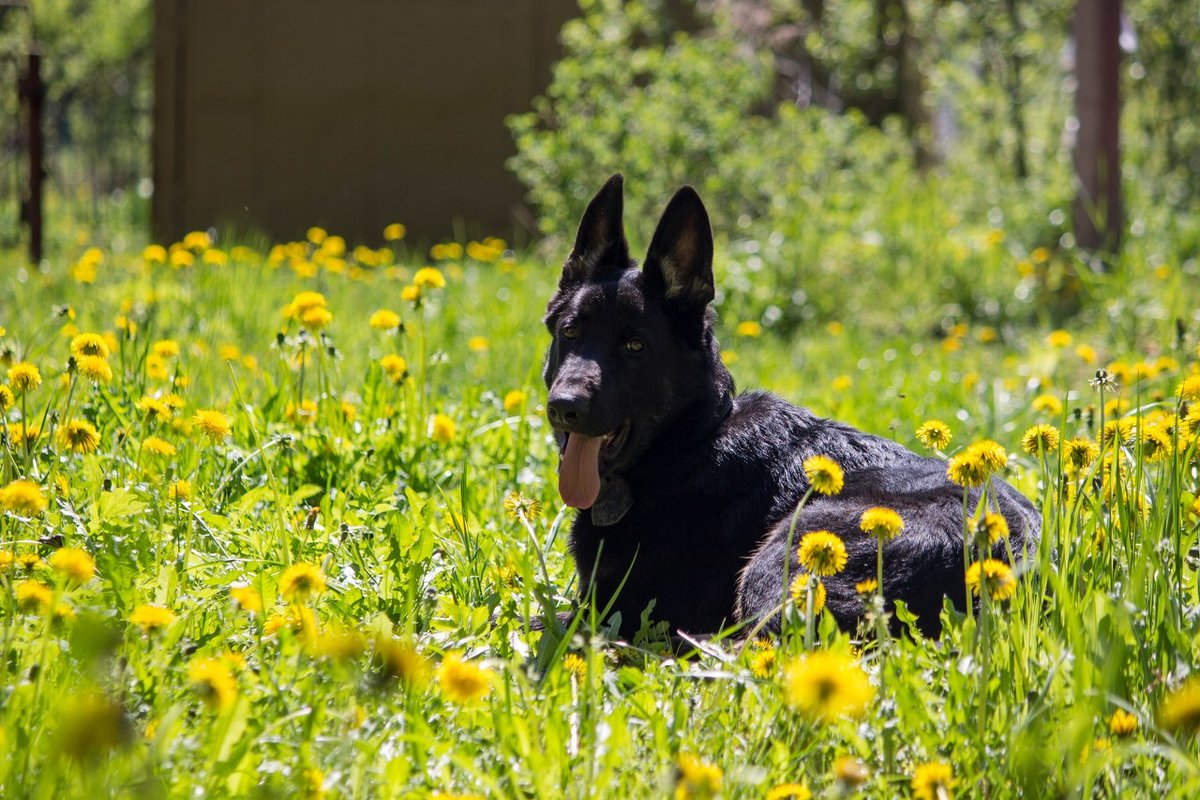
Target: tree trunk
(1097,215)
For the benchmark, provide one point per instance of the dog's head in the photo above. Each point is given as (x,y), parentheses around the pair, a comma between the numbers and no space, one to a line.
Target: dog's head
(633,352)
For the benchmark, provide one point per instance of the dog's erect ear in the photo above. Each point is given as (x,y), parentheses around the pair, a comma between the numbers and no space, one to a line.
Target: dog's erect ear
(679,261)
(600,251)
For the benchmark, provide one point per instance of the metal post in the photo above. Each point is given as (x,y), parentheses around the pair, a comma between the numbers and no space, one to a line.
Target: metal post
(32,93)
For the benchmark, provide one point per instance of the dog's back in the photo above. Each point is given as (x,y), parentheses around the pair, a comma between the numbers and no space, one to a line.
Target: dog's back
(686,491)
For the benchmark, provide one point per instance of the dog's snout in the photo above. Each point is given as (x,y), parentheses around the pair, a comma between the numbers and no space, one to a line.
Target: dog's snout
(566,410)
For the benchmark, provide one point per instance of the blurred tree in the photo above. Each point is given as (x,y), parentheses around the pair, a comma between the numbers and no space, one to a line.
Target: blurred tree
(1098,216)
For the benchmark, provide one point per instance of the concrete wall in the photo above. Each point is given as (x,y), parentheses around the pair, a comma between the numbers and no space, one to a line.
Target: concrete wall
(275,115)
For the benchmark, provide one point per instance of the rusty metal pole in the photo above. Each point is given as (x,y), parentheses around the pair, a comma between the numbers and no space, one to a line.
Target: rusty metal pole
(32,93)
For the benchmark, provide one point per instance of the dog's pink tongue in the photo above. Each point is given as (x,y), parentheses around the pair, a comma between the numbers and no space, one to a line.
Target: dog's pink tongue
(579,472)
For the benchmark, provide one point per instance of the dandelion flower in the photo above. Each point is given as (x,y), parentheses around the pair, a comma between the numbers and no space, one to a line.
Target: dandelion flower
(385,320)
(1180,710)
(850,772)
(1189,389)
(411,294)
(1047,404)
(1122,723)
(799,594)
(79,436)
(180,490)
(95,369)
(306,301)
(441,428)
(151,618)
(28,562)
(514,401)
(934,434)
(394,232)
(301,581)
(574,664)
(748,328)
(399,660)
(996,575)
(824,474)
(394,366)
(429,278)
(463,681)
(33,597)
(213,681)
(762,663)
(933,780)
(696,778)
(23,497)
(165,348)
(23,376)
(975,464)
(158,447)
(1040,439)
(882,523)
(315,319)
(1156,443)
(824,685)
(1080,454)
(154,254)
(338,645)
(213,424)
(518,505)
(789,791)
(247,599)
(822,553)
(1059,338)
(994,525)
(6,398)
(73,564)
(89,344)
(477,344)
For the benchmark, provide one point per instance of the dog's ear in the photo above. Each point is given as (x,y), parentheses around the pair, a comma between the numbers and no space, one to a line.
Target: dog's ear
(679,261)
(601,251)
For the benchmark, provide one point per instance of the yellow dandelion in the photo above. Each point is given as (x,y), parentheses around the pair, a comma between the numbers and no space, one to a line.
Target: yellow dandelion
(23,377)
(1189,389)
(304,414)
(89,344)
(514,401)
(975,464)
(306,301)
(934,434)
(477,344)
(315,319)
(23,497)
(399,660)
(385,320)
(994,525)
(441,428)
(518,505)
(94,369)
(158,447)
(882,523)
(395,367)
(301,581)
(154,254)
(1180,710)
(824,685)
(463,681)
(575,664)
(33,597)
(429,278)
(212,423)
(73,564)
(1122,724)
(789,791)
(748,328)
(996,575)
(337,645)
(824,474)
(1155,442)
(1047,405)
(867,586)
(151,618)
(394,232)
(213,681)
(1080,454)
(154,408)
(1059,338)
(165,348)
(247,599)
(79,436)
(7,400)
(411,294)
(180,490)
(799,594)
(762,662)
(696,778)
(933,780)
(28,562)
(6,560)
(822,553)
(1040,439)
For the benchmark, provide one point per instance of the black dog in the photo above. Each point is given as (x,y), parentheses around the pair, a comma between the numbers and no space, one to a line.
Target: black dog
(686,491)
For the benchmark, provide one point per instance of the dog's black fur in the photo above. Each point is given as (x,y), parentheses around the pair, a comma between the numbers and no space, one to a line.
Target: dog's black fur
(700,484)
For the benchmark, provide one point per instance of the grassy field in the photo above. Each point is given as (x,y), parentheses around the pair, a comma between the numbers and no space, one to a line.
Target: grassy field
(274,520)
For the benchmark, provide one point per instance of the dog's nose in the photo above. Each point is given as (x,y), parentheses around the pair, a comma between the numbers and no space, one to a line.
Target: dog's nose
(566,410)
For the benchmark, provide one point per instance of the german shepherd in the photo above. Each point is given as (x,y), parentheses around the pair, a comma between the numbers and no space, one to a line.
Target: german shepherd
(686,490)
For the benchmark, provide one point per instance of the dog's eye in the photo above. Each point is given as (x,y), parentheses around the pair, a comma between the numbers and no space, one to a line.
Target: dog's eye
(569,332)
(634,345)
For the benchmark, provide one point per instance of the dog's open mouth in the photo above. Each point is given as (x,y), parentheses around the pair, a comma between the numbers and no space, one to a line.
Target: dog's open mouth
(579,467)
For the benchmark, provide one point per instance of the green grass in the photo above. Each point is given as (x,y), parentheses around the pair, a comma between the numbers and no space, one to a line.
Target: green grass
(422,559)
